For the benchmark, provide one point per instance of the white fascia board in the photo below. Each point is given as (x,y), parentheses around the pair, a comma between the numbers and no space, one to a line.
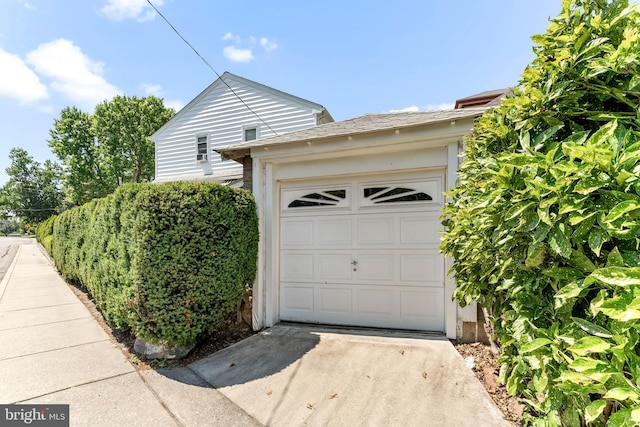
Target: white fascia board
(384,141)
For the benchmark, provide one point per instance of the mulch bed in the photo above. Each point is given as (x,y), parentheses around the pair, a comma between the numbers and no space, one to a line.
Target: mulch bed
(486,368)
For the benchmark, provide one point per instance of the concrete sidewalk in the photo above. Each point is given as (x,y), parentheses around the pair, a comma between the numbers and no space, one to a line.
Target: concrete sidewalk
(54,352)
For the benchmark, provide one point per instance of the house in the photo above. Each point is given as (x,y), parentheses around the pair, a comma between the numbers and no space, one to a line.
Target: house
(349,222)
(232,110)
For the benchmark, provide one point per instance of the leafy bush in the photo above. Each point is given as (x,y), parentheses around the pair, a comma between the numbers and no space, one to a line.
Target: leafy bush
(544,225)
(44,232)
(168,261)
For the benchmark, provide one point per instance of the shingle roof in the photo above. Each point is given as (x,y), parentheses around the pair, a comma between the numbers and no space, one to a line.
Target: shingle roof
(197,177)
(359,125)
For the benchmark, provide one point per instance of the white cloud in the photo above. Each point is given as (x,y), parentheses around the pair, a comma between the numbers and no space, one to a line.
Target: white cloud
(119,10)
(231,36)
(238,55)
(29,6)
(72,72)
(152,89)
(18,81)
(176,105)
(442,106)
(411,109)
(158,91)
(430,107)
(268,45)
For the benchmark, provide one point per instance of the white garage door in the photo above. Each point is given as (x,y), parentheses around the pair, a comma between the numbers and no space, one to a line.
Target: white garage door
(363,251)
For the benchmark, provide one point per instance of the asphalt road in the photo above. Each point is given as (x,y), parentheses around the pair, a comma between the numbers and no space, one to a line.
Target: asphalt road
(8,248)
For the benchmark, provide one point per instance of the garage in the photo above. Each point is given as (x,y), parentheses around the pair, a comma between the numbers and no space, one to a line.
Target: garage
(350,222)
(363,251)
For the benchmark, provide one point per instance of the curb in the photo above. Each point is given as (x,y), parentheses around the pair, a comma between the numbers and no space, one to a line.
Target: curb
(9,273)
(47,256)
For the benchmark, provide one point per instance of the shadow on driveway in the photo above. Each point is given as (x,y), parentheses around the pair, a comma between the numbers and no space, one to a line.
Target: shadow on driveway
(258,356)
(317,376)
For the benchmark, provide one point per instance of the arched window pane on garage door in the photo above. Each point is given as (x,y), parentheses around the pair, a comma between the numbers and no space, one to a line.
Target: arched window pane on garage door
(380,195)
(319,198)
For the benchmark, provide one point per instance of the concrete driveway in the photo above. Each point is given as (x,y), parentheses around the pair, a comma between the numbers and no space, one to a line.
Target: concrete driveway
(293,375)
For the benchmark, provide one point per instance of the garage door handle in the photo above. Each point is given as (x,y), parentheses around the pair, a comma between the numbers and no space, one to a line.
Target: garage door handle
(354,263)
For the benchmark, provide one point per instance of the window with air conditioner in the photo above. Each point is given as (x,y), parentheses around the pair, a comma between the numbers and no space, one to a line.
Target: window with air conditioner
(202,149)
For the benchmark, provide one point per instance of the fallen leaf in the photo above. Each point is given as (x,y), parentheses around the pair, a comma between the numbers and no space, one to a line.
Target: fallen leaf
(232,365)
(310,405)
(424,374)
(333,396)
(269,393)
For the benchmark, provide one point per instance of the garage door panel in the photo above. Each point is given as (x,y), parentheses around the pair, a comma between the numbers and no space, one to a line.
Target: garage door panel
(389,193)
(297,298)
(334,267)
(335,195)
(335,300)
(297,266)
(361,305)
(334,232)
(297,233)
(376,231)
(421,230)
(421,268)
(424,304)
(376,267)
(377,302)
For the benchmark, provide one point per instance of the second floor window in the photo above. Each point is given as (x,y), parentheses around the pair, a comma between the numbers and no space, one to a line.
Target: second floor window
(250,134)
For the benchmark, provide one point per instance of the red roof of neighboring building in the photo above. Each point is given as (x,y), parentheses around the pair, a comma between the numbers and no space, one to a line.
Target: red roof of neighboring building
(487,98)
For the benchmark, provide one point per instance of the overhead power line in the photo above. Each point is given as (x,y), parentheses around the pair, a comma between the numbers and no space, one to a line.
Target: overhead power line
(35,210)
(210,67)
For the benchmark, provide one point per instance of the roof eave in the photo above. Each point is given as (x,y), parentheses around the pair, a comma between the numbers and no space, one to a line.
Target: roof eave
(238,152)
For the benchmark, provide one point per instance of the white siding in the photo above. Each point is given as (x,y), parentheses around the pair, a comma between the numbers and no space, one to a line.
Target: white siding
(218,113)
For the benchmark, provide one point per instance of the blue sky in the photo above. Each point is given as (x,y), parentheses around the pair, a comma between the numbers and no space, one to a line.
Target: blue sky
(353,57)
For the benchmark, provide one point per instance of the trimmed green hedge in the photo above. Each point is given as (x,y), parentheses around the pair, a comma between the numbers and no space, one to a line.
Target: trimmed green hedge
(169,261)
(44,232)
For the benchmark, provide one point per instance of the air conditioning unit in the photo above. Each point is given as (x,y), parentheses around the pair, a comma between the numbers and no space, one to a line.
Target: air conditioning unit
(201,158)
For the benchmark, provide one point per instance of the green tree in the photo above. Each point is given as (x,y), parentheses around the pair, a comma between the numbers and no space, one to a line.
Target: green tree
(73,142)
(33,191)
(122,127)
(5,210)
(8,226)
(109,148)
(544,225)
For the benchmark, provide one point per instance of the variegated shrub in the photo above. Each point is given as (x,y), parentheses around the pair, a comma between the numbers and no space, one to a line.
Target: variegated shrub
(544,226)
